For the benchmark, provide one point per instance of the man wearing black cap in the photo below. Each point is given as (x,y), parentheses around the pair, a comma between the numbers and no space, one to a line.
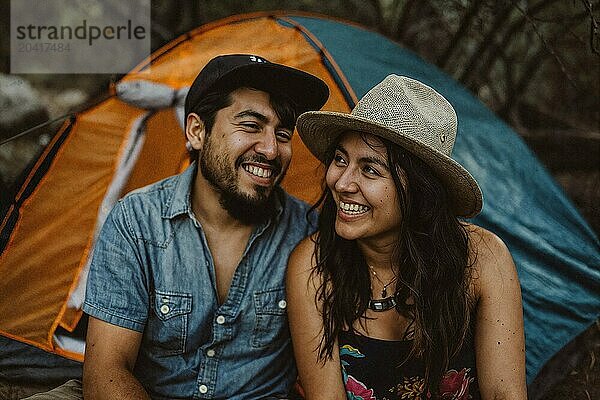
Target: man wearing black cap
(186,289)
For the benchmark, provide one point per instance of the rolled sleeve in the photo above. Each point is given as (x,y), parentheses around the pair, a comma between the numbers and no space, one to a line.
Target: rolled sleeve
(117,287)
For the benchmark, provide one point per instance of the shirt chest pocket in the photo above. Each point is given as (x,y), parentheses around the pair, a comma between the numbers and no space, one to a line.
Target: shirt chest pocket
(271,325)
(168,328)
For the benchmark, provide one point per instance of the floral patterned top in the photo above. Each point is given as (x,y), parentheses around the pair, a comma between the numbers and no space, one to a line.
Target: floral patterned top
(372,370)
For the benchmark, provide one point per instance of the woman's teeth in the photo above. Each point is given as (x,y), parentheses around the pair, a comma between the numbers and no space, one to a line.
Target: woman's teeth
(353,208)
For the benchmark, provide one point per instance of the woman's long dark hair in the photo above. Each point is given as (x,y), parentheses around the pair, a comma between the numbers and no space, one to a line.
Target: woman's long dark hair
(433,259)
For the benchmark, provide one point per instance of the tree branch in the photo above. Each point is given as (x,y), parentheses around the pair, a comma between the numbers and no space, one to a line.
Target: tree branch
(497,48)
(548,47)
(594,28)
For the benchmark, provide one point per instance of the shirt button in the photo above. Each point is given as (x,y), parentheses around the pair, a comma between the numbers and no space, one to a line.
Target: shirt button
(220,320)
(203,389)
(282,304)
(164,309)
(210,353)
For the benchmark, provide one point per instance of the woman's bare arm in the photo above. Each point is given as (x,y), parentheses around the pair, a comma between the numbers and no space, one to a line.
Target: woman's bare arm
(499,337)
(320,380)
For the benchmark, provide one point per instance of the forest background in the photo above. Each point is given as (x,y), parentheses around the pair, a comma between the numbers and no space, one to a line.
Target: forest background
(536,63)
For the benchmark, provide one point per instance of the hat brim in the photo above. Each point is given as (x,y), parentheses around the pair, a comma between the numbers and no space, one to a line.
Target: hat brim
(306,90)
(319,130)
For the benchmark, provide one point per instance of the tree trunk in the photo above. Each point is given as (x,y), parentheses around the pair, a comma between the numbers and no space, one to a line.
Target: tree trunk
(403,20)
(379,15)
(485,44)
(498,47)
(515,92)
(463,29)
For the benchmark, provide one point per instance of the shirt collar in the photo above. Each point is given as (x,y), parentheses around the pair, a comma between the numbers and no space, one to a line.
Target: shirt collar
(179,200)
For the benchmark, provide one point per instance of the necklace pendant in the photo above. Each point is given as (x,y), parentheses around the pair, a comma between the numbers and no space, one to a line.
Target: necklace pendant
(384,293)
(382,304)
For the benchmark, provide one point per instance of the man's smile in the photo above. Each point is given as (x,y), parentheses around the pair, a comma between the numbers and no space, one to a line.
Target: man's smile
(259,171)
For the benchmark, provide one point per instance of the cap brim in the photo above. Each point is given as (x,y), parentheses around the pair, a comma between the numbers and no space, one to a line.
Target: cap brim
(306,90)
(320,130)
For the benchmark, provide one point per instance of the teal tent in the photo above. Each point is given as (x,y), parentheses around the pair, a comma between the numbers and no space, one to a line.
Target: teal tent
(556,252)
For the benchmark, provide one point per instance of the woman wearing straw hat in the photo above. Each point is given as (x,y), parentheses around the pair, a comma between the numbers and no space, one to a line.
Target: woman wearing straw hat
(395,297)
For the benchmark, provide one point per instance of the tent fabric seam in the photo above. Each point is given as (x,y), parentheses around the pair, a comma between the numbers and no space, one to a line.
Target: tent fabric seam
(31,183)
(90,241)
(335,69)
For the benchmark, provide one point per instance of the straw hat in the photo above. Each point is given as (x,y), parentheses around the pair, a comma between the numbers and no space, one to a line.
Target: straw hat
(410,114)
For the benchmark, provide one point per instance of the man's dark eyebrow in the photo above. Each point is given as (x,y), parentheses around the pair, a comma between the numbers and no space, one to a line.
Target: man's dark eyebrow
(369,159)
(262,118)
(252,113)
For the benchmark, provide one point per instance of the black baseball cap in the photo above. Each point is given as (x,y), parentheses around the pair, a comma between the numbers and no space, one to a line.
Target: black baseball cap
(228,72)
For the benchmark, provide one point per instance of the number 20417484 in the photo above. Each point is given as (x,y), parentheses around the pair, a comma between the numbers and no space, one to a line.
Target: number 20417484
(43,47)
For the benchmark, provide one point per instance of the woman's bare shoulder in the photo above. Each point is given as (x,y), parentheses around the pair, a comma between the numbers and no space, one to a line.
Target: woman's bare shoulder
(489,257)
(486,246)
(301,280)
(305,249)
(302,258)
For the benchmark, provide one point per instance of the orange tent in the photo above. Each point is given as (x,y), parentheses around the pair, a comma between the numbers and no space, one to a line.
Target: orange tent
(115,147)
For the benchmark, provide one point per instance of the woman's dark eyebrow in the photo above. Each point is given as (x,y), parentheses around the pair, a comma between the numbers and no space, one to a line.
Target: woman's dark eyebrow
(374,160)
(341,149)
(368,159)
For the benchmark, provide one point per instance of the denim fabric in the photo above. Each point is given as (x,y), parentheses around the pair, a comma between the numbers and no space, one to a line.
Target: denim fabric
(152,272)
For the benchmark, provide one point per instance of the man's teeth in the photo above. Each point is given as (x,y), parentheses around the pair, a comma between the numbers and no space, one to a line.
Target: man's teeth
(353,209)
(258,171)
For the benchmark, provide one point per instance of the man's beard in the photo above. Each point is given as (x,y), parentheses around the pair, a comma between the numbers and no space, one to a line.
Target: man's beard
(249,210)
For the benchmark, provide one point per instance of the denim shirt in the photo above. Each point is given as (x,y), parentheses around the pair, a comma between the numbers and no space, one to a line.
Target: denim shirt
(152,272)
